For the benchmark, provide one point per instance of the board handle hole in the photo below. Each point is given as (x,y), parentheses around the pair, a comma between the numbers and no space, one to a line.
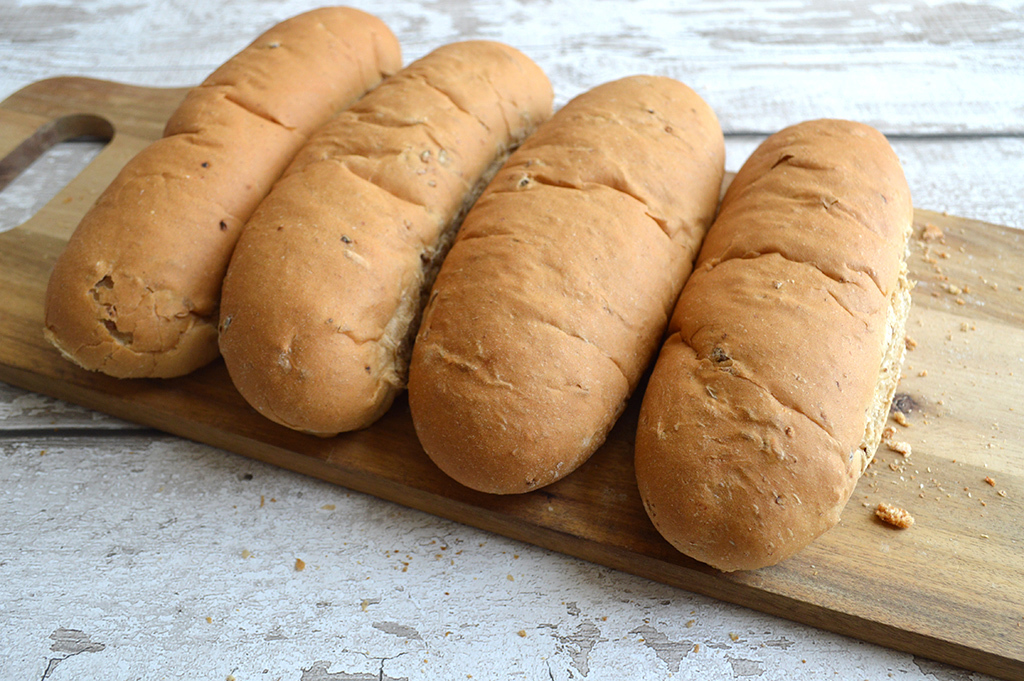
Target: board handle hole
(60,149)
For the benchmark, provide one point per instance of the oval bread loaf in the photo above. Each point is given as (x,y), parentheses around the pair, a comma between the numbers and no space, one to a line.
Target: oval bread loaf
(557,291)
(768,399)
(325,289)
(135,292)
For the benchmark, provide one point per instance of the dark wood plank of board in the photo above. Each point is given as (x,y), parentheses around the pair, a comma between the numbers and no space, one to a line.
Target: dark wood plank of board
(951,588)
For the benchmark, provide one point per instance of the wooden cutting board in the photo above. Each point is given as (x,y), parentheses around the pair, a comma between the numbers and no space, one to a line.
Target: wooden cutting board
(951,588)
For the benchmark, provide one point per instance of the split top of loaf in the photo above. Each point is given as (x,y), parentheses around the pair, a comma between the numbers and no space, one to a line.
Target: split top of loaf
(767,400)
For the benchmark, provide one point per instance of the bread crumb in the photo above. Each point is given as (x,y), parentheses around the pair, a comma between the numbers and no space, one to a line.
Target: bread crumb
(894,515)
(961,301)
(931,232)
(300,565)
(522,633)
(910,343)
(900,418)
(922,373)
(898,446)
(952,289)
(990,480)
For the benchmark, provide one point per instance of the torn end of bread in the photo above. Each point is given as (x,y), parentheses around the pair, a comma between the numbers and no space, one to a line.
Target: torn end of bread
(123,326)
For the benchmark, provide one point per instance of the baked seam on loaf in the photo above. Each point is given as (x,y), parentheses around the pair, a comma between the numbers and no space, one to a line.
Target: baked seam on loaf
(556,293)
(135,292)
(324,292)
(768,399)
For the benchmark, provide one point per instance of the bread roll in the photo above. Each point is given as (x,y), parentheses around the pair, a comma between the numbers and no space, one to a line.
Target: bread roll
(325,289)
(135,292)
(768,400)
(557,292)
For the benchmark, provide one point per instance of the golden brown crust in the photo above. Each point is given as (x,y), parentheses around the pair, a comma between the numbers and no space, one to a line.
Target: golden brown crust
(324,290)
(768,399)
(135,292)
(558,289)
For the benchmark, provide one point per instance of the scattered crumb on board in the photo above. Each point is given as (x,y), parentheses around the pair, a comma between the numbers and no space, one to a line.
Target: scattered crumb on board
(898,446)
(891,443)
(894,515)
(931,232)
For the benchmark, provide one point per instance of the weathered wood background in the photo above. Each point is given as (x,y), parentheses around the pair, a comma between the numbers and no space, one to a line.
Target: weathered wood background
(125,553)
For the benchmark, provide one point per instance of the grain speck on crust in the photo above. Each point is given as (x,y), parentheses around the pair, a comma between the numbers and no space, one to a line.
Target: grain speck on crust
(894,515)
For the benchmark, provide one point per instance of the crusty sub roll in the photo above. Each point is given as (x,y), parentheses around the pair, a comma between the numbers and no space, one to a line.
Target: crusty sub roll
(325,289)
(768,399)
(135,293)
(557,292)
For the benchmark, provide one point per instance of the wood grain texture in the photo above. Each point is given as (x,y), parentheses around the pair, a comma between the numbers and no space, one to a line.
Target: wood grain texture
(949,589)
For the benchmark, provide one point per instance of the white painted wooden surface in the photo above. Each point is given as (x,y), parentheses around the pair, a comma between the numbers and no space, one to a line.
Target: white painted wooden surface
(125,553)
